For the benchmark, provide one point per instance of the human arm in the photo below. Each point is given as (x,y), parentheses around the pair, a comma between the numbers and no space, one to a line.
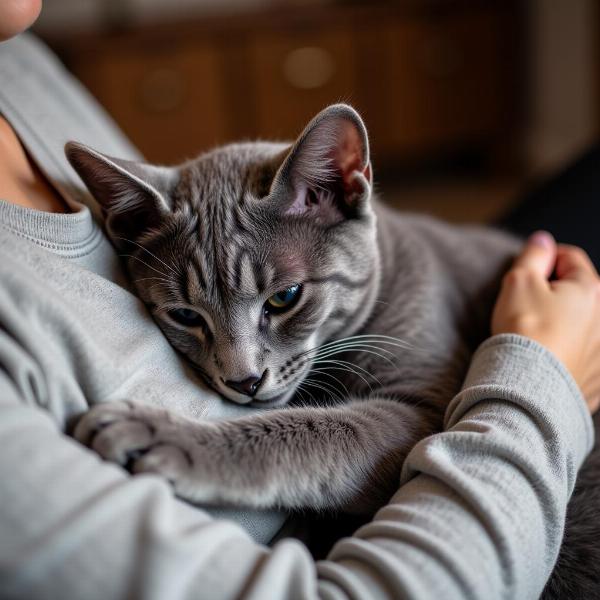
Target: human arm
(73,526)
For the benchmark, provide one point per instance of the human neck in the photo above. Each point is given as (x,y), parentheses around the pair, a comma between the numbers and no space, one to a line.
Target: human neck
(21,182)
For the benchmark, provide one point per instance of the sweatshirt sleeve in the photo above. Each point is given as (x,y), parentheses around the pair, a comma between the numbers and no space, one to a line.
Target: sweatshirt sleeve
(479,515)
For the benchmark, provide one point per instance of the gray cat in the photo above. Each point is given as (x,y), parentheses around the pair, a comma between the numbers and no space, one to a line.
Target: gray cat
(279,275)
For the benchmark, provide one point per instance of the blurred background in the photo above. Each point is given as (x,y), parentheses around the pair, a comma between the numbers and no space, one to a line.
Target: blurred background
(468,102)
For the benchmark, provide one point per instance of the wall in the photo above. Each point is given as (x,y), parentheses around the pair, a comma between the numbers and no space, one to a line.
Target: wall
(562,81)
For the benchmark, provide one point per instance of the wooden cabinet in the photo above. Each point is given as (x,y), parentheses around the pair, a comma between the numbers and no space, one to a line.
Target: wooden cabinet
(447,80)
(427,76)
(168,99)
(297,73)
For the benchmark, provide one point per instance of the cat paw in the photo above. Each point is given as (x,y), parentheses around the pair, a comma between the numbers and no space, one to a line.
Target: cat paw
(140,438)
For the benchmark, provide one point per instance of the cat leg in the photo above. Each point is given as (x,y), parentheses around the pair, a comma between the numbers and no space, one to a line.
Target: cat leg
(345,457)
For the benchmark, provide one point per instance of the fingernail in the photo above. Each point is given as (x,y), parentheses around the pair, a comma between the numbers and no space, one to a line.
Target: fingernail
(543,239)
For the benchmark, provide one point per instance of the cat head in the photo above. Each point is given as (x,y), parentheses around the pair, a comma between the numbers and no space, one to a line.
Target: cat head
(252,255)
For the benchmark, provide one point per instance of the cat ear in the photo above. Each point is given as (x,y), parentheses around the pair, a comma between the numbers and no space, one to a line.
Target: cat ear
(133,196)
(327,173)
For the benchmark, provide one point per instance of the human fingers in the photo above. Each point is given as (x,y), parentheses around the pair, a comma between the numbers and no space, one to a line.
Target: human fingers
(525,286)
(539,255)
(16,16)
(574,263)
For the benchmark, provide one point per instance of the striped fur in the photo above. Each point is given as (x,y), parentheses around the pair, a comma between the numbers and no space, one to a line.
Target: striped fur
(245,221)
(220,234)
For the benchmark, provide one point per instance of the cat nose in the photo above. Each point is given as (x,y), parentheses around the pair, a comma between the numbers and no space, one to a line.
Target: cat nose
(248,386)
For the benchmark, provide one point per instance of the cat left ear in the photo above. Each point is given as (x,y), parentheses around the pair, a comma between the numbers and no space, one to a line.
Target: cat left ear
(327,173)
(133,196)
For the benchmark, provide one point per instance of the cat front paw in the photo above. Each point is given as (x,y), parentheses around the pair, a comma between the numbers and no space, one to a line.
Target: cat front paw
(142,439)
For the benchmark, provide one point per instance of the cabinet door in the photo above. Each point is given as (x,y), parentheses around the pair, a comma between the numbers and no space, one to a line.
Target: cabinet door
(296,74)
(448,80)
(169,100)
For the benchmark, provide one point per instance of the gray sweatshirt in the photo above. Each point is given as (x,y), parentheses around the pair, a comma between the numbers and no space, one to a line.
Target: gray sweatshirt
(479,512)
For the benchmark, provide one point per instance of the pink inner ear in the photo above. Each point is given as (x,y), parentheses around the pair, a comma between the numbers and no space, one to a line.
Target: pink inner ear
(349,156)
(323,209)
(298,206)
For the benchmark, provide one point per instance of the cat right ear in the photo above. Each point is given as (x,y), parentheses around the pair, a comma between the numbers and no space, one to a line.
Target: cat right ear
(327,173)
(133,196)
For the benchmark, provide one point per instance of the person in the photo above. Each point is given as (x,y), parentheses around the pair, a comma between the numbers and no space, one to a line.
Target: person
(481,506)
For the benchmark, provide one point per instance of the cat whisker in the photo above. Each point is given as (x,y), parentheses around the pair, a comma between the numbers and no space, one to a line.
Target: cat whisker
(300,395)
(321,351)
(364,342)
(303,390)
(359,349)
(144,263)
(353,366)
(325,371)
(351,346)
(349,367)
(381,352)
(150,253)
(370,338)
(329,386)
(325,388)
(149,278)
(306,384)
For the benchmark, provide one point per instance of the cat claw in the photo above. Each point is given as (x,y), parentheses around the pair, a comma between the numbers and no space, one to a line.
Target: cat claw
(98,418)
(139,438)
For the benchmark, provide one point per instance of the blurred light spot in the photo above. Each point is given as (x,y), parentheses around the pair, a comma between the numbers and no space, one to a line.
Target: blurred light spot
(308,68)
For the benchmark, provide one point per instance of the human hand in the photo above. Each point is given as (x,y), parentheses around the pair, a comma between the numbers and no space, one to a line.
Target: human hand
(563,315)
(16,16)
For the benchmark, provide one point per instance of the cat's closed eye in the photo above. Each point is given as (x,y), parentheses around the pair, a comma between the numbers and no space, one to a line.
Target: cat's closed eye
(187,317)
(283,300)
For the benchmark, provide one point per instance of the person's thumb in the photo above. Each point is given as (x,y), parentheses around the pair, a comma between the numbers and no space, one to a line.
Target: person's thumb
(539,254)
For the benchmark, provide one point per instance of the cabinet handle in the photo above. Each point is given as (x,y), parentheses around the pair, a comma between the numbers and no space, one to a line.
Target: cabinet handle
(162,90)
(308,68)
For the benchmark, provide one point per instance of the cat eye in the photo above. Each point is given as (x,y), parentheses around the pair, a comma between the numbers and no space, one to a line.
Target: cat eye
(187,317)
(284,300)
